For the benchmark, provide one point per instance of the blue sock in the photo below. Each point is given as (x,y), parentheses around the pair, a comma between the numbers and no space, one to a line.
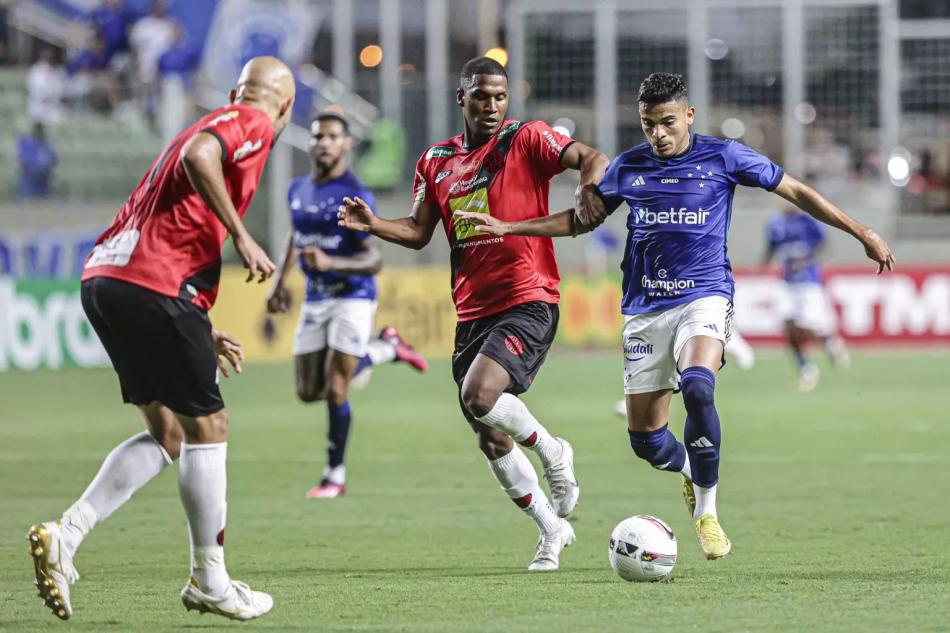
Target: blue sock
(338,431)
(800,357)
(701,434)
(660,448)
(362,364)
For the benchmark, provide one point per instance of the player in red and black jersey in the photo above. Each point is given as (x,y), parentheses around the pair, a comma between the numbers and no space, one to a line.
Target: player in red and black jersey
(505,289)
(146,289)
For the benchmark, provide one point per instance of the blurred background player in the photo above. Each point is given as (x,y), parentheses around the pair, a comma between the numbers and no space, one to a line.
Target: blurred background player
(505,291)
(677,280)
(797,240)
(146,289)
(332,343)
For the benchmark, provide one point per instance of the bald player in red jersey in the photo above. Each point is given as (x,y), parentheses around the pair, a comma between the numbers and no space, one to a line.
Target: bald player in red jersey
(505,290)
(147,287)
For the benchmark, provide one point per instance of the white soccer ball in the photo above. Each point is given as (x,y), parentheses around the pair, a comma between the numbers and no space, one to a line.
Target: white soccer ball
(642,549)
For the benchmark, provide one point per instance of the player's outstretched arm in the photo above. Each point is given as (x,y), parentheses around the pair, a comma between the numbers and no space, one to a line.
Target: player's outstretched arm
(589,206)
(412,232)
(555,225)
(368,261)
(201,158)
(820,208)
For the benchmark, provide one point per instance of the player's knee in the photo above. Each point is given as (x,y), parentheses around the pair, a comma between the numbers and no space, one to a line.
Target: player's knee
(478,399)
(216,426)
(493,443)
(698,387)
(170,438)
(337,395)
(309,392)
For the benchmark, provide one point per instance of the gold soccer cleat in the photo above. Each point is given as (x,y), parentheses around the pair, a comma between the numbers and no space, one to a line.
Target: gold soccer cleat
(712,540)
(54,568)
(689,496)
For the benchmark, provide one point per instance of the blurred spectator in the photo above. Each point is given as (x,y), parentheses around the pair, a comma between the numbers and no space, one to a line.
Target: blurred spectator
(112,19)
(182,58)
(36,158)
(93,85)
(149,38)
(45,88)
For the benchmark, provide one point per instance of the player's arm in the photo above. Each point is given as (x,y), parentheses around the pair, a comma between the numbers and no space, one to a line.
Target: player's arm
(588,204)
(368,261)
(278,299)
(413,232)
(561,224)
(201,157)
(820,208)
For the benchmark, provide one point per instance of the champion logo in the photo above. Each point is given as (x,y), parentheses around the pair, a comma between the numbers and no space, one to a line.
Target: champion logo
(638,182)
(702,442)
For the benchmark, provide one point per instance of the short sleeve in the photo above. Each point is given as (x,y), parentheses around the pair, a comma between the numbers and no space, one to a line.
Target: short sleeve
(242,132)
(421,188)
(544,146)
(366,196)
(747,167)
(609,186)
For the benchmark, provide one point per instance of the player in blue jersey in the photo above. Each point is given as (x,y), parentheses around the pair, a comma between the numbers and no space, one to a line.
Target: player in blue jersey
(333,342)
(677,280)
(796,241)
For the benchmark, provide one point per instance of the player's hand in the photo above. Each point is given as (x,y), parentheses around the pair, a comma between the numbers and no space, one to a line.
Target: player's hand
(256,261)
(589,207)
(877,249)
(315,259)
(228,351)
(355,215)
(278,299)
(482,222)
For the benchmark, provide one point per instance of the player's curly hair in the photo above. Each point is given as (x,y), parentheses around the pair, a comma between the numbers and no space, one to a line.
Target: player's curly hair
(661,88)
(480,66)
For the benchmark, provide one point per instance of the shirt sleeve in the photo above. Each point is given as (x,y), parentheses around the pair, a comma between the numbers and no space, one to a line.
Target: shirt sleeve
(242,132)
(366,196)
(421,187)
(609,186)
(749,168)
(544,146)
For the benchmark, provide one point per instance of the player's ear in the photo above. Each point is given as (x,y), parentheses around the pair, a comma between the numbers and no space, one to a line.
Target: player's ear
(232,95)
(286,106)
(690,115)
(459,94)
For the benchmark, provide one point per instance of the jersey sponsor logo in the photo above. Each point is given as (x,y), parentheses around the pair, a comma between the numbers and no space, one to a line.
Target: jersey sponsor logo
(442,175)
(638,182)
(439,151)
(470,183)
(636,348)
(475,202)
(222,118)
(669,181)
(327,242)
(115,251)
(514,345)
(420,193)
(643,215)
(247,148)
(668,286)
(551,141)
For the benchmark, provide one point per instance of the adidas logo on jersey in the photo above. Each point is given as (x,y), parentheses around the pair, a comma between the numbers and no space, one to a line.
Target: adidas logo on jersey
(638,182)
(702,442)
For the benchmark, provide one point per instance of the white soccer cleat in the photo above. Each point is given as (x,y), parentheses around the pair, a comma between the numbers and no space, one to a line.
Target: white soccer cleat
(808,377)
(54,567)
(547,557)
(239,602)
(562,481)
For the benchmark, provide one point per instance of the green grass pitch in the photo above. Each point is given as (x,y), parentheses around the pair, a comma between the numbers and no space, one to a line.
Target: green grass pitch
(836,503)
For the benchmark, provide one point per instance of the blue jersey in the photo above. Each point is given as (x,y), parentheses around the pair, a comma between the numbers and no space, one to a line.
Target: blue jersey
(313,211)
(680,209)
(794,240)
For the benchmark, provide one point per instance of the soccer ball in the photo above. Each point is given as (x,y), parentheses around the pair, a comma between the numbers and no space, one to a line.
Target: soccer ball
(642,548)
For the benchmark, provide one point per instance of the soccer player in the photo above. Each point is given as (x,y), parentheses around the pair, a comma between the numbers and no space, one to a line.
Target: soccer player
(677,280)
(796,240)
(332,341)
(505,289)
(146,288)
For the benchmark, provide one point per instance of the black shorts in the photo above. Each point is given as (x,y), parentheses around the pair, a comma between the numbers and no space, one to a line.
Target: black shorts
(518,339)
(160,347)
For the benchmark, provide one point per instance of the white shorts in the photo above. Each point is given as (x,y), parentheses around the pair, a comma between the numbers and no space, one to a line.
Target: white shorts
(345,325)
(807,306)
(652,342)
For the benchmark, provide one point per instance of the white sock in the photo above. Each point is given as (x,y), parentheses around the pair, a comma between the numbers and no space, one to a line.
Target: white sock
(202,485)
(686,471)
(128,467)
(518,479)
(380,352)
(705,501)
(335,475)
(512,416)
